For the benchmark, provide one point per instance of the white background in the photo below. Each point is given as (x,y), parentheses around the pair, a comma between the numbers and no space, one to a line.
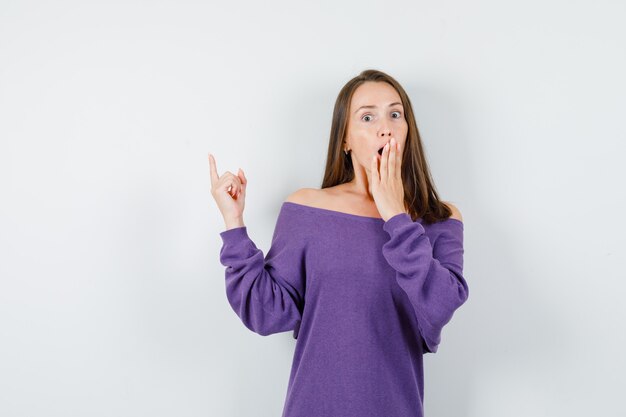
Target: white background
(112,297)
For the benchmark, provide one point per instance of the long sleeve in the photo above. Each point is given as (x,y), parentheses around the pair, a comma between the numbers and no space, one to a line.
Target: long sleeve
(431,275)
(266,293)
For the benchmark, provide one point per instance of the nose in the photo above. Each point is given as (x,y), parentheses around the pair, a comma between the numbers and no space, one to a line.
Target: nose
(385,134)
(384,130)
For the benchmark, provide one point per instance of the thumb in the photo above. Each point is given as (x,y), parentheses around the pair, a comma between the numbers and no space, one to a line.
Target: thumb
(242,178)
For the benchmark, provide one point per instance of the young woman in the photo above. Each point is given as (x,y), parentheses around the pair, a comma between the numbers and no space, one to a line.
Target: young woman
(366,271)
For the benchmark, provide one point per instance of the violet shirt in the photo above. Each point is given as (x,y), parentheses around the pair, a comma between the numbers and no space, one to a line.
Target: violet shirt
(365,298)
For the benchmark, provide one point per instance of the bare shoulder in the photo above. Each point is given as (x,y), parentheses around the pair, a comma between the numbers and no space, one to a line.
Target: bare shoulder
(303,196)
(456,214)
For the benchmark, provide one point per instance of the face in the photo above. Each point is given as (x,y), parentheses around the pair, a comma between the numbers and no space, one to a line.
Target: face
(376,115)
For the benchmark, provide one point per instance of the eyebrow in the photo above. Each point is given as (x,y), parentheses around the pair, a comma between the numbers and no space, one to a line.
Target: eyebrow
(373,107)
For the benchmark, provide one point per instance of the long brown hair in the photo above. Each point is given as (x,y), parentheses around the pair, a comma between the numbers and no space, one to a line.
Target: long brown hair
(420,196)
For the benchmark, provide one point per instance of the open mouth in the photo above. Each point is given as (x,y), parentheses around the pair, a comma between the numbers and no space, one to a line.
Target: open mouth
(380,151)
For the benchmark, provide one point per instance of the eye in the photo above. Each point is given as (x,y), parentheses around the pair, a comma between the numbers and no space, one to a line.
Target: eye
(364,116)
(398,113)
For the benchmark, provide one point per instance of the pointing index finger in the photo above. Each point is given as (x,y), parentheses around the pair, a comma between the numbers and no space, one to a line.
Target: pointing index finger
(213,169)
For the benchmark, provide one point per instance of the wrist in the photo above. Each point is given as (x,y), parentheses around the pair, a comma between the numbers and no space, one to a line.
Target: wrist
(232,223)
(394,213)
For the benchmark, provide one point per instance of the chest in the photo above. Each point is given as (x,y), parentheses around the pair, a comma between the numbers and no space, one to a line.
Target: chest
(349,267)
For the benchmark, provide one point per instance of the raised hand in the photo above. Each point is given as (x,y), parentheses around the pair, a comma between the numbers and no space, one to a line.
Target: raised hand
(386,183)
(229,192)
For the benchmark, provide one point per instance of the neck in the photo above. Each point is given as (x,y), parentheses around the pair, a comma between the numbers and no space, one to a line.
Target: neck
(361,184)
